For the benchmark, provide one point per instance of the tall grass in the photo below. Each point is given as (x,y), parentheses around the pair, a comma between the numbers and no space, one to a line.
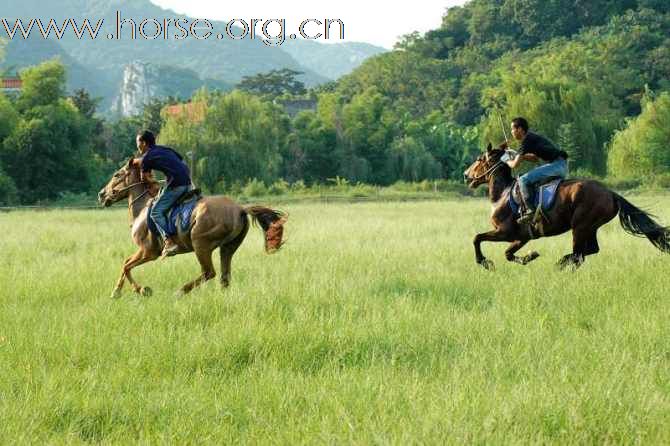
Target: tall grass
(373,325)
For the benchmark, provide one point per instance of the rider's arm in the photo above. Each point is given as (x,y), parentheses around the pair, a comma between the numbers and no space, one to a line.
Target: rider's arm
(519,158)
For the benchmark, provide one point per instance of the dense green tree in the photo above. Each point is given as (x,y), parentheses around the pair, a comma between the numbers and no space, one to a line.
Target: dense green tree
(312,155)
(42,85)
(8,192)
(642,150)
(410,160)
(152,114)
(47,151)
(369,125)
(86,104)
(241,137)
(273,84)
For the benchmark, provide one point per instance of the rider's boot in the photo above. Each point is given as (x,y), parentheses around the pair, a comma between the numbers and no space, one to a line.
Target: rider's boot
(170,248)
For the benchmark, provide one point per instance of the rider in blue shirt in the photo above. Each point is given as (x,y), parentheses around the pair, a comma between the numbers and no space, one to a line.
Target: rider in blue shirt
(172,165)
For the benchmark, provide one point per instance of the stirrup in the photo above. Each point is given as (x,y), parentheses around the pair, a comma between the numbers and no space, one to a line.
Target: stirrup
(526,218)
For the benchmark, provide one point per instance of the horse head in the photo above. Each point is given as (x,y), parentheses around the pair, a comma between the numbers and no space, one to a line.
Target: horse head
(480,171)
(120,185)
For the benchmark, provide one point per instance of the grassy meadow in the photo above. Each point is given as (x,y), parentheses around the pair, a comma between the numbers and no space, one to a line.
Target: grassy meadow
(373,326)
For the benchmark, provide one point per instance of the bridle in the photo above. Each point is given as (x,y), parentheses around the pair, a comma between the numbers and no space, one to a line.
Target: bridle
(120,191)
(489,171)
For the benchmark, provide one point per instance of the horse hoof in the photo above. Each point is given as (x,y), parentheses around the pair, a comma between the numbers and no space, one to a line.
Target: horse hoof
(564,262)
(488,265)
(116,294)
(531,256)
(179,294)
(145,291)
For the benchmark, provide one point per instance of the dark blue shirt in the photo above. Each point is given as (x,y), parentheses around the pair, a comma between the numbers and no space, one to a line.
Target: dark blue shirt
(166,160)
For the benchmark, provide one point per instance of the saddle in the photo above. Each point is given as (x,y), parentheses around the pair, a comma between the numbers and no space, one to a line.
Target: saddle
(542,199)
(179,215)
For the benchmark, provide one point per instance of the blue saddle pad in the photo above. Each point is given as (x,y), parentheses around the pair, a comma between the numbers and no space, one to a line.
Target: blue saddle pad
(180,214)
(544,196)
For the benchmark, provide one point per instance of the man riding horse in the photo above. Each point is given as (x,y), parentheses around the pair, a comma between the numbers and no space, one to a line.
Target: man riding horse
(535,147)
(172,165)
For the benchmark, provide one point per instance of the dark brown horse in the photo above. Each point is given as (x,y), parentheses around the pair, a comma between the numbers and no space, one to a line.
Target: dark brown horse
(216,222)
(582,206)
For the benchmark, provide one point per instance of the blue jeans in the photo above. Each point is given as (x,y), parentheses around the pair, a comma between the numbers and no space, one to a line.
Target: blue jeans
(556,168)
(166,198)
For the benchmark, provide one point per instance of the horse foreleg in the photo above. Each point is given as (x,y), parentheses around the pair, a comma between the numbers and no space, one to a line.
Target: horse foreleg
(491,236)
(143,290)
(516,246)
(116,293)
(137,259)
(204,256)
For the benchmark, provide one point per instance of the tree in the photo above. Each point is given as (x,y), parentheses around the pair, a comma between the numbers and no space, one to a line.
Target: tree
(241,137)
(409,160)
(641,150)
(273,84)
(43,84)
(47,150)
(8,192)
(86,104)
(152,117)
(45,154)
(312,153)
(9,117)
(368,123)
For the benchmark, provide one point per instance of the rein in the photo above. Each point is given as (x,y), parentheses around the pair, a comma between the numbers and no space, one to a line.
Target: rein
(491,169)
(133,185)
(140,196)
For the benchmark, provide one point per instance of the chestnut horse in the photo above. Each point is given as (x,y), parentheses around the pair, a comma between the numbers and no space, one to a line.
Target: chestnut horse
(582,206)
(216,222)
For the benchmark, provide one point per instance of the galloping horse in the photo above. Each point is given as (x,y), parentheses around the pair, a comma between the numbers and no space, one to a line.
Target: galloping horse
(582,206)
(216,222)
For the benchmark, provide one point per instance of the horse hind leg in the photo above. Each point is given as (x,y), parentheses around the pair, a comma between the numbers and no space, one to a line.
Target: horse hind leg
(584,243)
(227,251)
(204,255)
(592,246)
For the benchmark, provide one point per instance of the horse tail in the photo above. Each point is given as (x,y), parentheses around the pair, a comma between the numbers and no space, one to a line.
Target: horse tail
(272,223)
(641,224)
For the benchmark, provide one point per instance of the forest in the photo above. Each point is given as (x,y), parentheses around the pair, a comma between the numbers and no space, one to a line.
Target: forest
(592,76)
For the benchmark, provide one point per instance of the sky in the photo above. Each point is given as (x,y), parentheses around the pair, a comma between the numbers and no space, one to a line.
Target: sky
(377,22)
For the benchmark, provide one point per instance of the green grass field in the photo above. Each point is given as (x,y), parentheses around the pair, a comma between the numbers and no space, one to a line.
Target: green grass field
(372,326)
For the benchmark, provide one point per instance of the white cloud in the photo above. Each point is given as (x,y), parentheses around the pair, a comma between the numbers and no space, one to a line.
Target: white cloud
(376,22)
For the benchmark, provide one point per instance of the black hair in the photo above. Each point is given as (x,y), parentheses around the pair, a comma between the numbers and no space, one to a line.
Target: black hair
(148,137)
(520,122)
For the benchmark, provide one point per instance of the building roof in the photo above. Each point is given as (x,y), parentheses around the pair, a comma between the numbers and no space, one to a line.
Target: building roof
(11,83)
(193,111)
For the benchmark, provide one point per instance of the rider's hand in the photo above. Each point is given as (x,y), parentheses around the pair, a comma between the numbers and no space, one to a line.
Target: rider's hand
(503,145)
(508,156)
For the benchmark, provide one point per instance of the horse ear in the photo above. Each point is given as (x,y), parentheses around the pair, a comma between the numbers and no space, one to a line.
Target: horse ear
(489,149)
(130,163)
